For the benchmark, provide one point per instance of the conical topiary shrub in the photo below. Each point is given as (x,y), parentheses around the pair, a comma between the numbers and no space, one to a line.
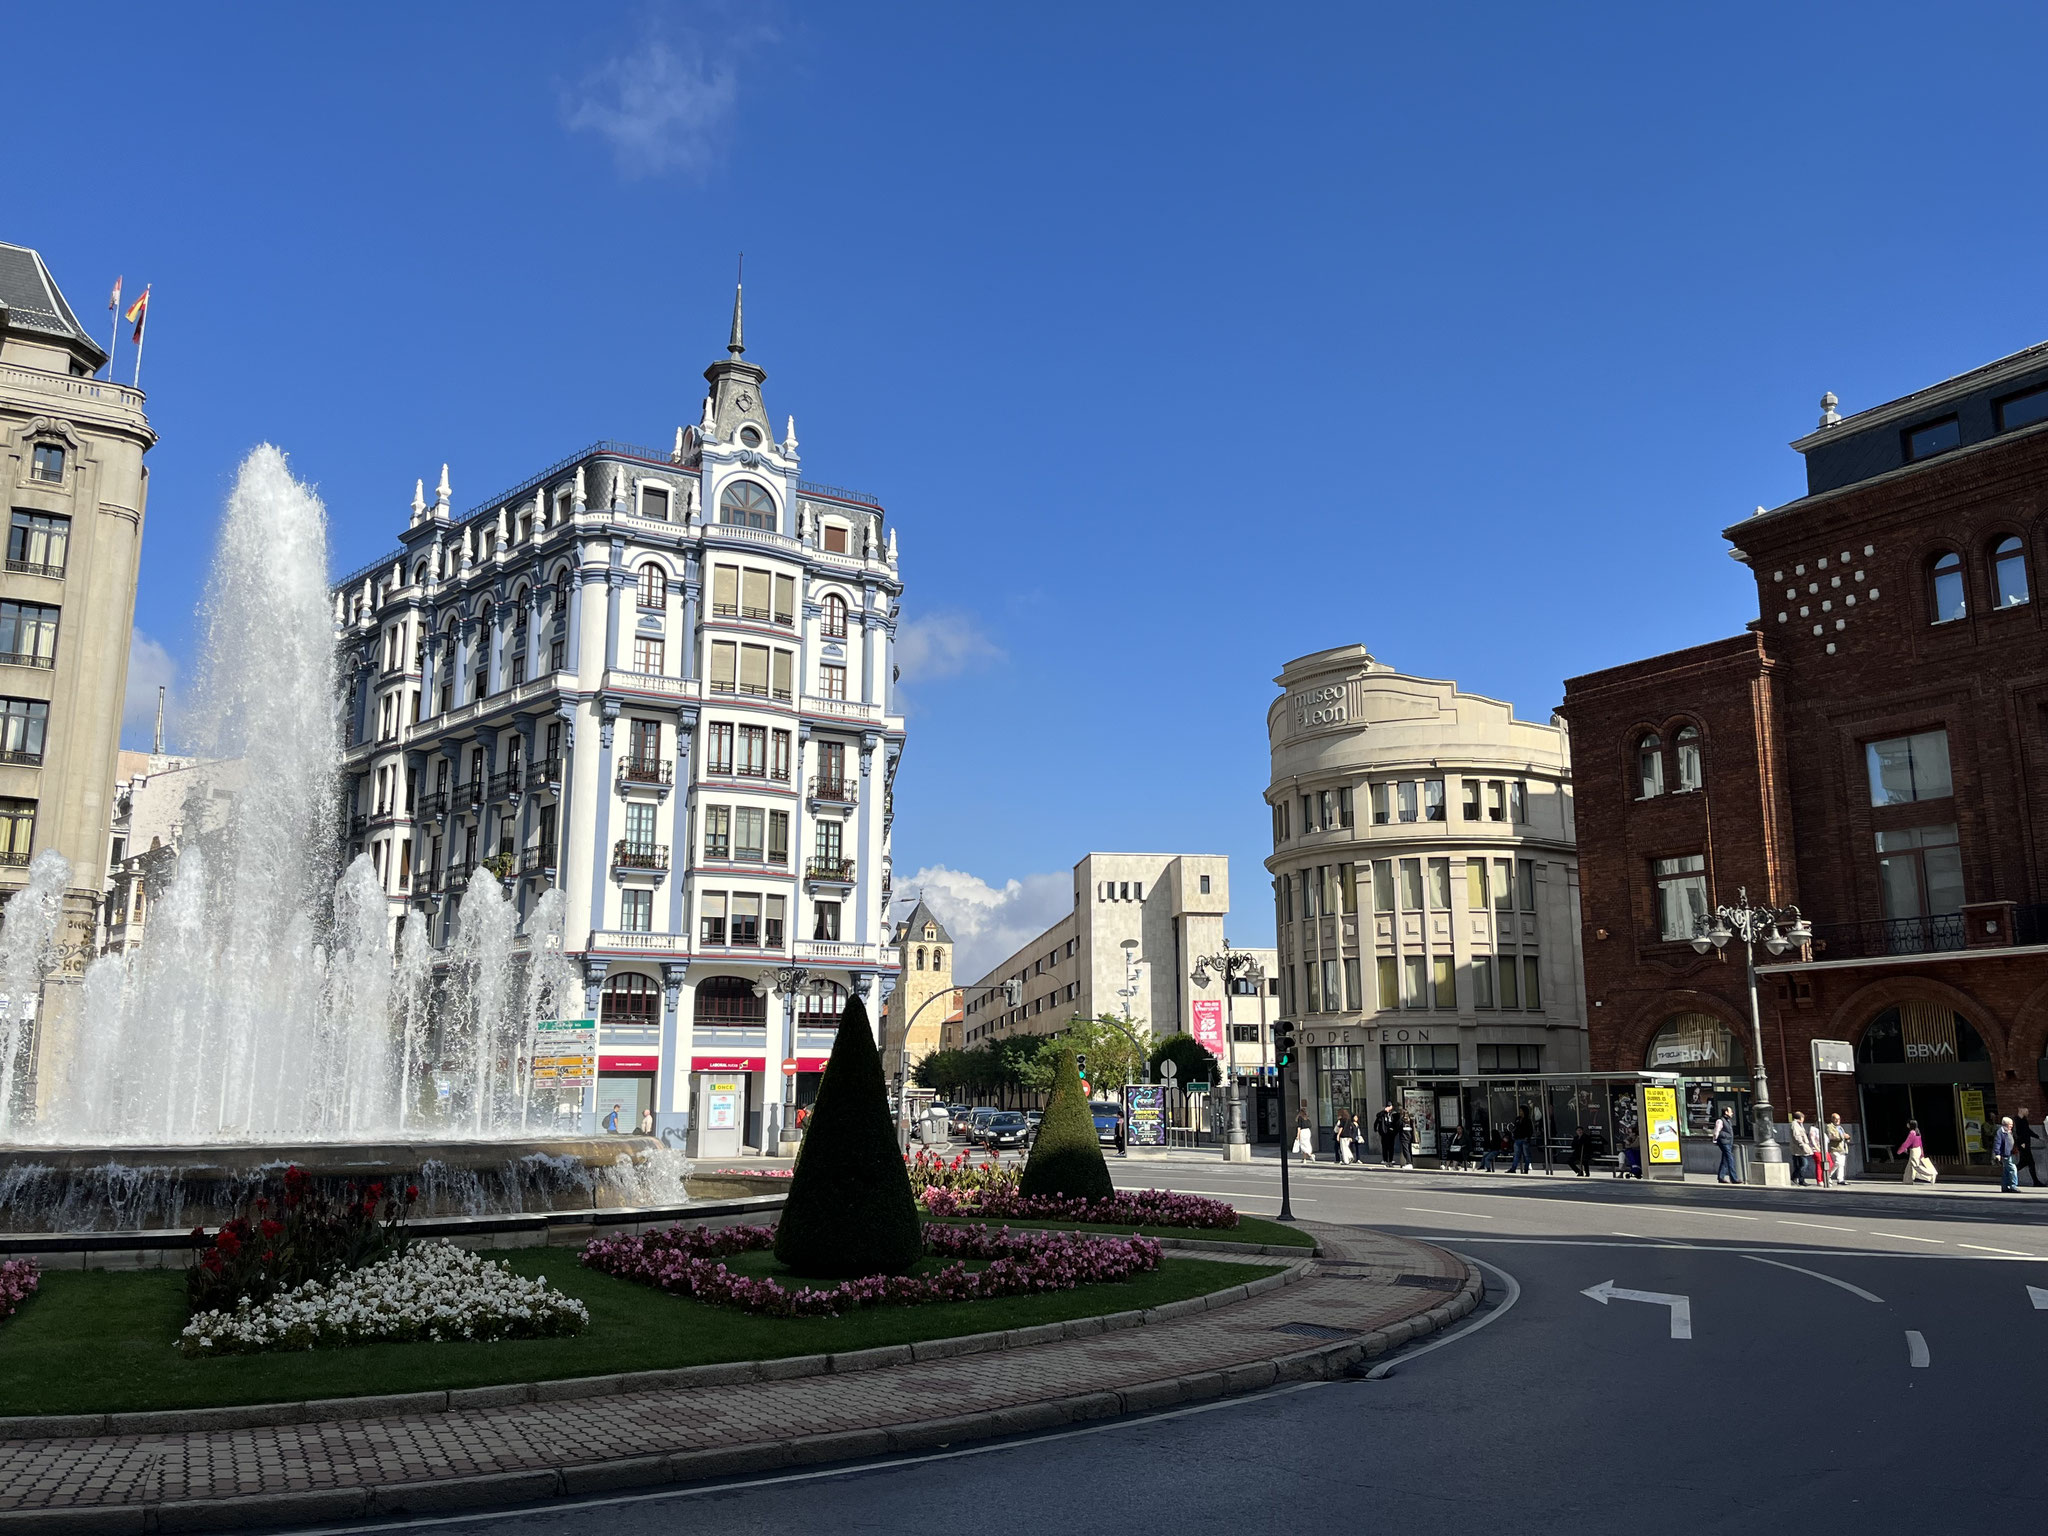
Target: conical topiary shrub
(1066,1159)
(850,1210)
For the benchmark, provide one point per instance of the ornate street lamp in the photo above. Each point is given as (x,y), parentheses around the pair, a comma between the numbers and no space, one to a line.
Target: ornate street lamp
(787,981)
(1233,965)
(1777,929)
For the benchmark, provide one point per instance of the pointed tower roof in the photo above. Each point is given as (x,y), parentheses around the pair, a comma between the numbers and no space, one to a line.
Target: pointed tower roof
(735,400)
(914,925)
(736,343)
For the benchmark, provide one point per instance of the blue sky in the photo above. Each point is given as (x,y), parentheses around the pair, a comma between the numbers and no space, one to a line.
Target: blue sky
(1178,341)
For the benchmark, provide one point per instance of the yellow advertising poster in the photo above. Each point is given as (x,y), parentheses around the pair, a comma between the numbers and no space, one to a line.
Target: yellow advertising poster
(1660,1124)
(1974,1139)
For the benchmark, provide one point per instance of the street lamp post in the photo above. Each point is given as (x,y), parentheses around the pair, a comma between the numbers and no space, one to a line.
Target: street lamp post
(1777,929)
(787,981)
(1232,965)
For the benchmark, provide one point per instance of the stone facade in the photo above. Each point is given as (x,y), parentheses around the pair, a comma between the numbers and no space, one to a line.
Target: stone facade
(925,999)
(1868,751)
(1425,882)
(664,683)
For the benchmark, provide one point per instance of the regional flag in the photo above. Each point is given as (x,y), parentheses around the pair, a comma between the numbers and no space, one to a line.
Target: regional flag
(114,303)
(138,313)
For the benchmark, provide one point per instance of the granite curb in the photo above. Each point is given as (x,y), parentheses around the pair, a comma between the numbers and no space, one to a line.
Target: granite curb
(172,1421)
(1320,1362)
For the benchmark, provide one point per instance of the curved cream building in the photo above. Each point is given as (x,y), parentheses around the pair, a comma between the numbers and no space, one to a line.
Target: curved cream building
(1426,892)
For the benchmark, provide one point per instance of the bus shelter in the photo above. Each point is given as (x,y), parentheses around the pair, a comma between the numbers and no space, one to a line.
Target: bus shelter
(1458,1119)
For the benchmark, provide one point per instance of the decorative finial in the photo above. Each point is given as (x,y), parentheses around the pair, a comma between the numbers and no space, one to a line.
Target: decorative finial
(441,490)
(737,345)
(709,426)
(678,454)
(582,490)
(1828,416)
(419,499)
(789,437)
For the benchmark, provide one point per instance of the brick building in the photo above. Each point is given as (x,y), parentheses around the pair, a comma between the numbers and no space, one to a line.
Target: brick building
(1868,750)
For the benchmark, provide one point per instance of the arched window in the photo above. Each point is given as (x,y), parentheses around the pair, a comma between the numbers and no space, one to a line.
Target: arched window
(419,574)
(653,586)
(631,1000)
(1687,742)
(1696,1044)
(938,959)
(1650,766)
(1946,587)
(746,505)
(835,616)
(920,959)
(2009,573)
(822,1009)
(728,1002)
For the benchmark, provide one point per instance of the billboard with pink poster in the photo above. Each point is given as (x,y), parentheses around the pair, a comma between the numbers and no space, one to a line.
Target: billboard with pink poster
(1208,1030)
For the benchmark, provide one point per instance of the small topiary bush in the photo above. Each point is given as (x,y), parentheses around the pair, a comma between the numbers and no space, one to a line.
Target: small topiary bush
(1066,1159)
(850,1211)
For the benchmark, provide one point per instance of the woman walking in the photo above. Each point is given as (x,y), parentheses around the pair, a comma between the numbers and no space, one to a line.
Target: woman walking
(1304,1138)
(1919,1169)
(1347,1133)
(1407,1139)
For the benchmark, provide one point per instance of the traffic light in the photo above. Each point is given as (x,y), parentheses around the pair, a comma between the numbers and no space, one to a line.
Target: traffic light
(1283,1044)
(1081,1064)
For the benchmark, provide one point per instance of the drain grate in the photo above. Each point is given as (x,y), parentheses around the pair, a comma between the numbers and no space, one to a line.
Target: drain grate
(1317,1331)
(1431,1282)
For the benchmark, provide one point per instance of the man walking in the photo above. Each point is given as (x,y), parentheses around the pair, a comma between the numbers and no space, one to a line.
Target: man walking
(2001,1148)
(2023,1146)
(1838,1147)
(1388,1129)
(1525,1131)
(1723,1132)
(1802,1145)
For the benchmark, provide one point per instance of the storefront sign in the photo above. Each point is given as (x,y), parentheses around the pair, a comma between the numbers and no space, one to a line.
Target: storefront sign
(1929,1032)
(629,1063)
(722,1105)
(1366,1035)
(1145,1115)
(1208,1025)
(1660,1109)
(728,1064)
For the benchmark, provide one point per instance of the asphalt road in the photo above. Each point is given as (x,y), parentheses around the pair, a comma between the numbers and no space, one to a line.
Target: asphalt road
(1876,1371)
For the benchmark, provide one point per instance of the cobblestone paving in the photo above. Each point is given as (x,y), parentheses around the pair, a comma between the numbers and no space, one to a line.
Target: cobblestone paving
(1356,1293)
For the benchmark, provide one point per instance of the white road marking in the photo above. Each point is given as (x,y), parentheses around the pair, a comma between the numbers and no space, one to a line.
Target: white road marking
(1430,1210)
(1385,1368)
(2014,1252)
(1241,1194)
(1681,1306)
(1724,1215)
(1854,1290)
(1916,1349)
(2035,1294)
(1823,1225)
(1907,1237)
(1797,1253)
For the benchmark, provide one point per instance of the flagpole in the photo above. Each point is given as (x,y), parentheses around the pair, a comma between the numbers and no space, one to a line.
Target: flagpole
(142,331)
(114,341)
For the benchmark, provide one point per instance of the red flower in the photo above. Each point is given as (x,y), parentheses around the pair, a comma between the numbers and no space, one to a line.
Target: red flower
(271,1229)
(262,1203)
(412,1193)
(228,1242)
(199,1234)
(268,1255)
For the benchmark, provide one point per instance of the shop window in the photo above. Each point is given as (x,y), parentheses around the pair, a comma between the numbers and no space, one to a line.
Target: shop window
(1696,1043)
(1526,1059)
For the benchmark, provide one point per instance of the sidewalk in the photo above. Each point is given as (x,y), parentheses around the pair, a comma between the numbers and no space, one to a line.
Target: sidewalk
(1369,1292)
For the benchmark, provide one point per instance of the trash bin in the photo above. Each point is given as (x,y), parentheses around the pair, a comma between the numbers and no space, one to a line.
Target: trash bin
(932,1126)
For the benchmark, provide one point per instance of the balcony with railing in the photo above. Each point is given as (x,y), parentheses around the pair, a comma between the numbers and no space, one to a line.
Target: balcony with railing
(27,659)
(831,791)
(36,568)
(505,785)
(434,803)
(469,796)
(627,855)
(547,773)
(22,759)
(456,876)
(537,861)
(1888,937)
(646,770)
(829,871)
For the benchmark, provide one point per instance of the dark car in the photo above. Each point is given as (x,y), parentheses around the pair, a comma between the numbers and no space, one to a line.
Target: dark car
(1108,1115)
(1006,1128)
(977,1122)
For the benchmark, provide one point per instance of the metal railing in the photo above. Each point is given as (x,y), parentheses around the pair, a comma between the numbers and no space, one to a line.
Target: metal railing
(1888,936)
(548,771)
(434,803)
(537,861)
(836,493)
(647,770)
(627,855)
(25,659)
(22,759)
(832,871)
(506,784)
(34,568)
(838,791)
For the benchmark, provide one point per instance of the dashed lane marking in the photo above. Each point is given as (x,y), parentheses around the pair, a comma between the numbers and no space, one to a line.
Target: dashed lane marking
(1825,1226)
(1430,1210)
(1854,1290)
(1916,1349)
(2010,1252)
(1907,1237)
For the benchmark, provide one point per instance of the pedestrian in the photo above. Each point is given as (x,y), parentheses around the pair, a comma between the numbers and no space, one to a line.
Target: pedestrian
(2023,1146)
(1838,1147)
(1582,1152)
(646,1122)
(1723,1133)
(1802,1145)
(1388,1129)
(1304,1137)
(1347,1133)
(1631,1154)
(611,1121)
(1920,1168)
(1525,1131)
(1122,1148)
(1407,1139)
(2002,1149)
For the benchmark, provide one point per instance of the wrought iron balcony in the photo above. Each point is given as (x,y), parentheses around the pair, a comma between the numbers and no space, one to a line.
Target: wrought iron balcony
(627,855)
(1888,936)
(537,861)
(434,803)
(505,785)
(829,871)
(646,770)
(469,795)
(834,791)
(548,772)
(22,759)
(35,568)
(457,875)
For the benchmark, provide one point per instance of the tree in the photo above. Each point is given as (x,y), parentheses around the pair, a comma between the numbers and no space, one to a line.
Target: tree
(1114,1056)
(850,1210)
(1066,1159)
(1195,1063)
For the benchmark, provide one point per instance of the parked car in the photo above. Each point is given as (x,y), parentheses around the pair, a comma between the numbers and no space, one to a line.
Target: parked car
(1108,1114)
(1006,1128)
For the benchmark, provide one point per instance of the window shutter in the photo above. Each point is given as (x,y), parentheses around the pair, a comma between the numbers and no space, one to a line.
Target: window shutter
(725,589)
(723,658)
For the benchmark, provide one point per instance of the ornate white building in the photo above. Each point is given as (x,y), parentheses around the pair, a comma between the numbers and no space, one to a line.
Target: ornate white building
(664,683)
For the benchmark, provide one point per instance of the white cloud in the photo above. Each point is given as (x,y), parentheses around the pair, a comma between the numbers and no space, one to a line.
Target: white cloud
(150,667)
(942,645)
(665,104)
(989,923)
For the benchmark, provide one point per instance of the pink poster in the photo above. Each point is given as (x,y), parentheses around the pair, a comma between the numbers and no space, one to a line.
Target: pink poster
(1208,1029)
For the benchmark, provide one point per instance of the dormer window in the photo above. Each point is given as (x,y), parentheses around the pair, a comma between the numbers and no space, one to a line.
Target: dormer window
(654,502)
(2016,411)
(47,465)
(743,504)
(838,538)
(1925,441)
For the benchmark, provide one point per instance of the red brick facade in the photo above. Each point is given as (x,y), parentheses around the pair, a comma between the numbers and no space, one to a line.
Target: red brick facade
(1846,652)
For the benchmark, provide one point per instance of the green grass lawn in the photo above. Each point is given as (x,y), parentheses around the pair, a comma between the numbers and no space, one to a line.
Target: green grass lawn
(1255,1230)
(98,1342)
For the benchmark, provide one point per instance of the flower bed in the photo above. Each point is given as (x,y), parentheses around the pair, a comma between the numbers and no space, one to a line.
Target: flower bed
(1132,1207)
(18,1281)
(431,1292)
(686,1262)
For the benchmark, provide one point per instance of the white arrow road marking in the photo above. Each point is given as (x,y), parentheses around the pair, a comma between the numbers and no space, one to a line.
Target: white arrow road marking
(1681,1306)
(2038,1297)
(1916,1349)
(1854,1290)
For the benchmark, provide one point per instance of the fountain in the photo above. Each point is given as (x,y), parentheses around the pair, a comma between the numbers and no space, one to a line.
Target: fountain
(264,1018)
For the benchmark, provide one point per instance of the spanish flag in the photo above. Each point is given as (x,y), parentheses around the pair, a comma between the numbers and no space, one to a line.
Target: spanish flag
(138,314)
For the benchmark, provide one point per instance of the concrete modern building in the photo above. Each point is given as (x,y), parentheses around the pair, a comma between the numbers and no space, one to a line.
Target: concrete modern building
(924,999)
(158,799)
(1128,947)
(662,681)
(1425,884)
(71,472)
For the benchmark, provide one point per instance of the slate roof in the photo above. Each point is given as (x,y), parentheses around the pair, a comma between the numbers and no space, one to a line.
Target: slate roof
(913,925)
(30,301)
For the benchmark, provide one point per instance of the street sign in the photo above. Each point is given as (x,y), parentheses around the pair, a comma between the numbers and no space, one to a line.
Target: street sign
(1834,1056)
(1168,1070)
(789,1066)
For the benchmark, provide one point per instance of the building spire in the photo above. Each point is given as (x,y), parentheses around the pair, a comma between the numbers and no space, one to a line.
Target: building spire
(158,749)
(737,344)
